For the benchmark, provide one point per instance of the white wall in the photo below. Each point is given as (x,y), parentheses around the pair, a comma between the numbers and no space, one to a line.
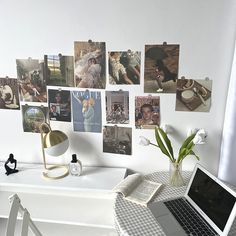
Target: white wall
(205,30)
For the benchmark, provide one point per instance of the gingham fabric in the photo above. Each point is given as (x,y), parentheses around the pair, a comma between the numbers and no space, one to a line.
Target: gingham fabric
(135,220)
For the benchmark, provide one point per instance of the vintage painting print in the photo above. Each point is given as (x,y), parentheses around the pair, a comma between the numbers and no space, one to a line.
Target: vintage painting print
(90,64)
(59,70)
(117,140)
(33,117)
(87,114)
(32,86)
(124,67)
(9,95)
(117,107)
(161,68)
(147,112)
(193,95)
(59,104)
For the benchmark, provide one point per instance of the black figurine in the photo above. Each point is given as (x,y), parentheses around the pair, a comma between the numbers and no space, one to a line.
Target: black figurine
(8,169)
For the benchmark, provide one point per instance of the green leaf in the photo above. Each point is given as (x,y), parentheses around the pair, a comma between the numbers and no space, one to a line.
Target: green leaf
(161,145)
(186,143)
(193,153)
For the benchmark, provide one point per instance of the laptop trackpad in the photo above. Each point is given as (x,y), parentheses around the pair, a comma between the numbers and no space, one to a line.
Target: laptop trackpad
(170,226)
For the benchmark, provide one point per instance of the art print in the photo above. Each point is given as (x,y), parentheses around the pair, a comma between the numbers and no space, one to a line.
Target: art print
(59,104)
(9,95)
(193,95)
(59,70)
(33,117)
(90,64)
(87,115)
(32,86)
(124,67)
(117,107)
(147,112)
(161,68)
(117,140)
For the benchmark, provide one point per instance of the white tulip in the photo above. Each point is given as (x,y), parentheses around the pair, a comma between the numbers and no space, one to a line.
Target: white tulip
(200,137)
(144,141)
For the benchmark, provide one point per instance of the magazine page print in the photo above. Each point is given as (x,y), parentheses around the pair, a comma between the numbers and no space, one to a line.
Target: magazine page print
(87,114)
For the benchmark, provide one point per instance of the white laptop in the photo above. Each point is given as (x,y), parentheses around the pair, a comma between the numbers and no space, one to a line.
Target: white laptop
(207,208)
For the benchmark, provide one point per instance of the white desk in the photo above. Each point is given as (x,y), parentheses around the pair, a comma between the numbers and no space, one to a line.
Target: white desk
(84,200)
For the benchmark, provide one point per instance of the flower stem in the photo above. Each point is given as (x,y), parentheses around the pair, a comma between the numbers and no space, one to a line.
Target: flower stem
(154,144)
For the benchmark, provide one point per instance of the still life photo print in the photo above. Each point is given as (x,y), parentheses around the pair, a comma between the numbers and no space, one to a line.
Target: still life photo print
(193,95)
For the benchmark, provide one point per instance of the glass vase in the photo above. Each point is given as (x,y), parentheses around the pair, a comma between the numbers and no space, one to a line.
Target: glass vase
(175,174)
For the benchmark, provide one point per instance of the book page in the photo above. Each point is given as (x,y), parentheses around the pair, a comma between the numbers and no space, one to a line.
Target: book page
(144,192)
(128,184)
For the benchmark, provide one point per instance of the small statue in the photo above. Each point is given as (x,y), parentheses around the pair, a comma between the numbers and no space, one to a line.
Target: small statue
(8,169)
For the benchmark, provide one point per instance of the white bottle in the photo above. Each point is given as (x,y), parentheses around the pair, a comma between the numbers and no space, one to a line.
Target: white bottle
(75,166)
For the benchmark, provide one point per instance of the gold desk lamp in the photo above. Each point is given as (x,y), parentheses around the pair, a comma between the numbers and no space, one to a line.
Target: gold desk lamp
(54,143)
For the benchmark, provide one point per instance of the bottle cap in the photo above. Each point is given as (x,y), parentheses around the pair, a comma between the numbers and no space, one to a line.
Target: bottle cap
(74,158)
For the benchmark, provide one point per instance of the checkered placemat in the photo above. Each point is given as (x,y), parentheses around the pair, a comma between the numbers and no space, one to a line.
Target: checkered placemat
(135,220)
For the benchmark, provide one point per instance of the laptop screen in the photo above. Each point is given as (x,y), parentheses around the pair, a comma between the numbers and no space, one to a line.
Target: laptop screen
(215,201)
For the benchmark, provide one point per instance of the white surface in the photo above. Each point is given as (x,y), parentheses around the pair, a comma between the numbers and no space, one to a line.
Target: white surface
(84,200)
(62,230)
(205,31)
(93,180)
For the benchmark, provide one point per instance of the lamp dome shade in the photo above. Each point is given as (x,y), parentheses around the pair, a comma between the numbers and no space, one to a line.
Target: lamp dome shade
(55,143)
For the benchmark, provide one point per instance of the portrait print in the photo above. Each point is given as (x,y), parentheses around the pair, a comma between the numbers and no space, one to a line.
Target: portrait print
(59,70)
(9,96)
(59,104)
(193,95)
(124,67)
(147,112)
(33,117)
(161,68)
(90,64)
(32,86)
(117,140)
(117,107)
(87,115)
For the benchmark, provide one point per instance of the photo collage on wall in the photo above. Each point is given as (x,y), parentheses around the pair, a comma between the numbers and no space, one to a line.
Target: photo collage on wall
(161,68)
(147,112)
(33,117)
(32,86)
(124,67)
(59,70)
(71,101)
(117,140)
(9,96)
(87,114)
(59,104)
(90,64)
(117,107)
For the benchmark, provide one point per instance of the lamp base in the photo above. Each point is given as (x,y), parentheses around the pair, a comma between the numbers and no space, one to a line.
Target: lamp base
(48,176)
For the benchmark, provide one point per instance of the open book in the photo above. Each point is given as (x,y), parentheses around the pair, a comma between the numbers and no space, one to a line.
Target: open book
(137,189)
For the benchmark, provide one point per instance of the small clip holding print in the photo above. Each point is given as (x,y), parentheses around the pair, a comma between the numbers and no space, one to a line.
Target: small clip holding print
(164,43)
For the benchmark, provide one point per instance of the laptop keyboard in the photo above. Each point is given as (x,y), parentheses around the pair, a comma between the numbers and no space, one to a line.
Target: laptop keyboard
(192,223)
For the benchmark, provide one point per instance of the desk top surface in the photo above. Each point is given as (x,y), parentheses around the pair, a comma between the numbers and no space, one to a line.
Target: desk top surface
(133,219)
(29,177)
